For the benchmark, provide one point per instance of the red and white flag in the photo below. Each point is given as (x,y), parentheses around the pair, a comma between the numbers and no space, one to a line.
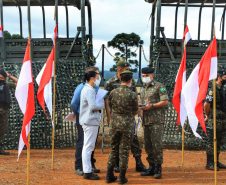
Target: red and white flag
(178,98)
(54,35)
(196,87)
(25,96)
(1,32)
(44,81)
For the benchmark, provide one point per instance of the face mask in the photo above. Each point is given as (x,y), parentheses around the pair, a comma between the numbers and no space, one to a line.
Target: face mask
(130,85)
(97,82)
(223,82)
(146,80)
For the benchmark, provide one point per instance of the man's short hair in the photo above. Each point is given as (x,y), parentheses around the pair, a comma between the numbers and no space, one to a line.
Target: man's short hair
(91,68)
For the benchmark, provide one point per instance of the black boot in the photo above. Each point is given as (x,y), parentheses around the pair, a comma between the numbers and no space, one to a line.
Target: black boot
(110,175)
(150,170)
(91,176)
(117,165)
(210,163)
(220,165)
(158,171)
(122,177)
(2,152)
(139,165)
(94,170)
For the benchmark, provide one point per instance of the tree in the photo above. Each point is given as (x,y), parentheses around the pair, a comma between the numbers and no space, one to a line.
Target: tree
(125,43)
(7,35)
(16,36)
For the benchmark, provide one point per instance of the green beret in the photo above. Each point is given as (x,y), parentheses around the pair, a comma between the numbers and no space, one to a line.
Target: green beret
(221,72)
(147,70)
(126,73)
(123,63)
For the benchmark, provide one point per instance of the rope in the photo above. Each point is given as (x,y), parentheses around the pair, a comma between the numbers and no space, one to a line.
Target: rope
(97,55)
(145,56)
(112,55)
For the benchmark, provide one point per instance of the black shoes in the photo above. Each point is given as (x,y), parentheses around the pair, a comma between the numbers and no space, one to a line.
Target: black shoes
(110,175)
(158,171)
(220,165)
(94,170)
(122,177)
(91,176)
(150,171)
(2,152)
(139,165)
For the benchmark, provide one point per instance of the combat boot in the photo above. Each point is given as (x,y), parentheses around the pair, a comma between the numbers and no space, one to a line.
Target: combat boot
(2,152)
(110,175)
(139,165)
(91,176)
(117,165)
(158,171)
(94,169)
(210,163)
(220,165)
(150,170)
(122,177)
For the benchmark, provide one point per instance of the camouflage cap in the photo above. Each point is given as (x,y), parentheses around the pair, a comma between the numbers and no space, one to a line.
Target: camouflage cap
(123,63)
(221,72)
(3,73)
(127,73)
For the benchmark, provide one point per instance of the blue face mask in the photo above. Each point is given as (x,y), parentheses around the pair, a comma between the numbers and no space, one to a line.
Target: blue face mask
(97,82)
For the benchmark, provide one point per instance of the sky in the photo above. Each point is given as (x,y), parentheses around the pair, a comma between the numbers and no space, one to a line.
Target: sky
(111,18)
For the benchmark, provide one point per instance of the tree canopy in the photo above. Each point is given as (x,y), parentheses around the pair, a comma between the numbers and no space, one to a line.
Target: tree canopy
(125,43)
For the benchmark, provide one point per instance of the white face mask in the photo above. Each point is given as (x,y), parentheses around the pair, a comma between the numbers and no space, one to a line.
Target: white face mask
(146,80)
(97,82)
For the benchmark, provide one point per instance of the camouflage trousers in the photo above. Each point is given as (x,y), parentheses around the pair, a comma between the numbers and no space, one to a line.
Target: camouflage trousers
(153,136)
(4,115)
(120,144)
(220,129)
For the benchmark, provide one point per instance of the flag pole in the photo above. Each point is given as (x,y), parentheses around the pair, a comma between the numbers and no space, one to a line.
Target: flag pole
(54,84)
(28,160)
(215,133)
(183,149)
(29,42)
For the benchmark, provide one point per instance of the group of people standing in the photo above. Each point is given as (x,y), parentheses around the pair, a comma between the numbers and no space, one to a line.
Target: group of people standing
(122,104)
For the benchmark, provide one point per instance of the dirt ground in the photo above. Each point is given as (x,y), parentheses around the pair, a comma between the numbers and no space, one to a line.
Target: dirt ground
(13,172)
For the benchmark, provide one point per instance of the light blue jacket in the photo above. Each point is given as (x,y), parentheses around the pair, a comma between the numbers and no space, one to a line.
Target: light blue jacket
(75,102)
(89,109)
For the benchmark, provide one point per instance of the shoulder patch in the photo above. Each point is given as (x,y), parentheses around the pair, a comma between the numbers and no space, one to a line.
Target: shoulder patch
(162,89)
(211,93)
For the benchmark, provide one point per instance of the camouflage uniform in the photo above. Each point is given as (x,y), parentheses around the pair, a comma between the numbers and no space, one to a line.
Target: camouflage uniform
(220,120)
(114,83)
(4,114)
(153,121)
(123,104)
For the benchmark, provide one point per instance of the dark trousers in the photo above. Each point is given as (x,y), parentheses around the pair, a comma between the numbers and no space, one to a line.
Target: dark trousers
(79,145)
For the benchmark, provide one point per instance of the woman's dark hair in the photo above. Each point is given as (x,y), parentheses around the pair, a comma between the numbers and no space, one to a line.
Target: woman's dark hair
(88,75)
(126,78)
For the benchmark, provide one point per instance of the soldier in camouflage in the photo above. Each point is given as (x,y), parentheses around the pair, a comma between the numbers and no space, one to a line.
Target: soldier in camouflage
(220,119)
(123,105)
(5,102)
(153,97)
(113,83)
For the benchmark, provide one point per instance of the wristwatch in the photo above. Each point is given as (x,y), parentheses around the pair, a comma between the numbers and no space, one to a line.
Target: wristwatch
(152,106)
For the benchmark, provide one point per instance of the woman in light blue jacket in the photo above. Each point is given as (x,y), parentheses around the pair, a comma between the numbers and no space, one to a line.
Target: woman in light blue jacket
(90,116)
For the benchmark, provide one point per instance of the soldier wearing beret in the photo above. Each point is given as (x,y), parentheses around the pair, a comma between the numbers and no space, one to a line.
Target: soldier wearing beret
(220,118)
(113,83)
(153,97)
(123,104)
(5,102)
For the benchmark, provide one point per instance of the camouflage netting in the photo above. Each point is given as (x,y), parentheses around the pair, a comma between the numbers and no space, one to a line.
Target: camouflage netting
(69,75)
(166,75)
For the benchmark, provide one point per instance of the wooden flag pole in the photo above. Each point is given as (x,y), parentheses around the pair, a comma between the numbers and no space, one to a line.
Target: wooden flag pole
(183,149)
(54,84)
(28,160)
(215,133)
